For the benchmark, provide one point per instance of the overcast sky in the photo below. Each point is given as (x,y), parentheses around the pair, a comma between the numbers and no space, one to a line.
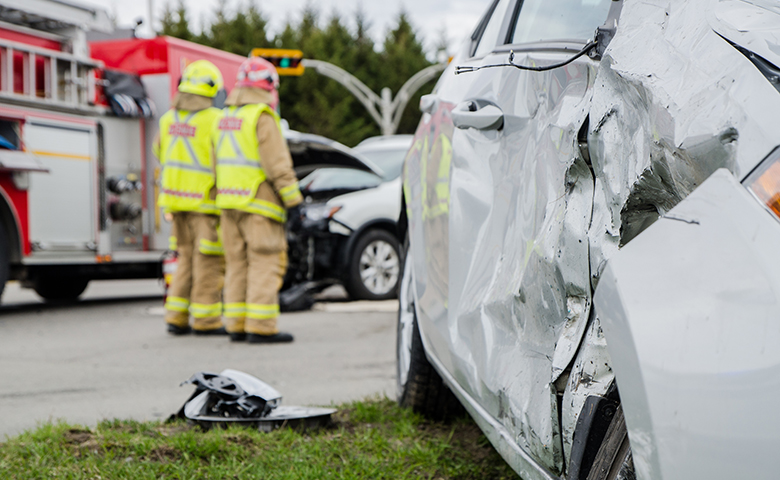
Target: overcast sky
(458,17)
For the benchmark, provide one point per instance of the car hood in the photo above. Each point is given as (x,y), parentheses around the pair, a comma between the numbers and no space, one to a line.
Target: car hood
(311,152)
(326,183)
(751,24)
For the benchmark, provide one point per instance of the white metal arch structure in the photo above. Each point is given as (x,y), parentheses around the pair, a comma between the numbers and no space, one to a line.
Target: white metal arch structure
(385,110)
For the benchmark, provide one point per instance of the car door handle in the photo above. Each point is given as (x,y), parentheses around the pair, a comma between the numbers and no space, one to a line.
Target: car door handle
(428,103)
(479,115)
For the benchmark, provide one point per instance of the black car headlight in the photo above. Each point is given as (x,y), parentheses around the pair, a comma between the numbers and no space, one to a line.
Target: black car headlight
(317,213)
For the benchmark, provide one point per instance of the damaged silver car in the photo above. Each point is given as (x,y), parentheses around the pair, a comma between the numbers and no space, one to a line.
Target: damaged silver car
(592,222)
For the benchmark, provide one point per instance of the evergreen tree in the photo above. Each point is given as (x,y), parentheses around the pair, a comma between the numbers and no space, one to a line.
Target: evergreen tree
(404,56)
(313,103)
(174,23)
(238,33)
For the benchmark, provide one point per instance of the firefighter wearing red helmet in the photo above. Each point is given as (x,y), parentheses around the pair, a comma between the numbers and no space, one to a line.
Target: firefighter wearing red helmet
(188,192)
(256,186)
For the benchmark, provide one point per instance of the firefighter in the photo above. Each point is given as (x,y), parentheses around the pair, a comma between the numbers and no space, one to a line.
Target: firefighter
(188,193)
(256,184)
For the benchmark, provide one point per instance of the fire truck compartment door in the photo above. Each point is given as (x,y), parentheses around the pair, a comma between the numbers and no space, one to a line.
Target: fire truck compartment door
(20,162)
(62,202)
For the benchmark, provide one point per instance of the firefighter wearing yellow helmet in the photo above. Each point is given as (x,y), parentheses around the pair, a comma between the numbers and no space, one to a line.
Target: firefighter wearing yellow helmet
(256,185)
(188,192)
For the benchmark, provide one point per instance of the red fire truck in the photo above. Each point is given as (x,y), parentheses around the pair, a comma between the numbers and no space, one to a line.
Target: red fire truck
(78,182)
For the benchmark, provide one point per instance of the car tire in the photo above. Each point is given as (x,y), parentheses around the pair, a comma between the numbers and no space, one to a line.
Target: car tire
(374,267)
(60,289)
(420,387)
(613,460)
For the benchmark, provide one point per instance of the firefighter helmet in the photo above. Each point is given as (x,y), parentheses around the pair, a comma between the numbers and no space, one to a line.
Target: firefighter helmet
(259,73)
(201,77)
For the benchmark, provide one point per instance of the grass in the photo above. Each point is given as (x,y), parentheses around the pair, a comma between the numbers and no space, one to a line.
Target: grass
(369,439)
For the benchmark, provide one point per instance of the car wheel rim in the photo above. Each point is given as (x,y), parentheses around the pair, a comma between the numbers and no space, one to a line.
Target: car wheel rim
(379,267)
(405,327)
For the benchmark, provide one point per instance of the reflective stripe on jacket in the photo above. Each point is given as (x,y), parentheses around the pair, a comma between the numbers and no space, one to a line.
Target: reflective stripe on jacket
(186,156)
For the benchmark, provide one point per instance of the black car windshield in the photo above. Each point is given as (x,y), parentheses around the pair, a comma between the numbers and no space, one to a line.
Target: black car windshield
(326,179)
(391,161)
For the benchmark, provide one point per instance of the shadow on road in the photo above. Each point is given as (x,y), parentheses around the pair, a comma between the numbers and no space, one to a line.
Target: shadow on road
(48,306)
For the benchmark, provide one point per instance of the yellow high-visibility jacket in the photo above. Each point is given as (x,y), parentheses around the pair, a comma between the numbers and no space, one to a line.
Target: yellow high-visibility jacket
(186,153)
(254,167)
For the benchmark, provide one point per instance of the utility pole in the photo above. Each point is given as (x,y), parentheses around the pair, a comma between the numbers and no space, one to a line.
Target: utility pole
(150,6)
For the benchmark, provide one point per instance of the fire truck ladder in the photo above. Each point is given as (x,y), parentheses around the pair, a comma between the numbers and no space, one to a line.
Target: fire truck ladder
(46,78)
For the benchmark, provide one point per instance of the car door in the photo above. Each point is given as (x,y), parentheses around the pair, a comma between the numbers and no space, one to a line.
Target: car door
(427,184)
(506,314)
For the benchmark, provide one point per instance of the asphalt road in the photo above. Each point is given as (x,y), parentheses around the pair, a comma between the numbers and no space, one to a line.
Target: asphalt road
(109,356)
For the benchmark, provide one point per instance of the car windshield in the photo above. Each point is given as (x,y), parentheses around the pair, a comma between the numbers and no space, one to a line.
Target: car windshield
(391,161)
(326,179)
(543,20)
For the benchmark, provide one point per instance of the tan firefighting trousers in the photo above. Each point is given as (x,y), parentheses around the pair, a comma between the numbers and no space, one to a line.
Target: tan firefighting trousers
(256,260)
(197,283)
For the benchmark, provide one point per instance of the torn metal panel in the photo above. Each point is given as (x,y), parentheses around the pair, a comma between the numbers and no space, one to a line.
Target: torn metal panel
(591,374)
(673,102)
(236,398)
(690,312)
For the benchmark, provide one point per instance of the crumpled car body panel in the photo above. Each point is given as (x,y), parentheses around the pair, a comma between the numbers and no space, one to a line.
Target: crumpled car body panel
(511,230)
(508,316)
(690,309)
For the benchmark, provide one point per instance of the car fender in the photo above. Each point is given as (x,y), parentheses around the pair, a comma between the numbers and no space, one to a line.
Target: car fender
(364,206)
(690,314)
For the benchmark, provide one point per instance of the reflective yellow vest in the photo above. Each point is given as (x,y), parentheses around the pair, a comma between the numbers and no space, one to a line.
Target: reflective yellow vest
(442,206)
(186,158)
(239,171)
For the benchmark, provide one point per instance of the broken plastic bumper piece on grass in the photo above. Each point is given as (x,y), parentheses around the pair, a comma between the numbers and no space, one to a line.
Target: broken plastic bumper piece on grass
(237,398)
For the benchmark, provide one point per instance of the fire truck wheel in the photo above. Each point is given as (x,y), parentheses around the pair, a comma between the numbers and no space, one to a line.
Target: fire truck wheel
(60,289)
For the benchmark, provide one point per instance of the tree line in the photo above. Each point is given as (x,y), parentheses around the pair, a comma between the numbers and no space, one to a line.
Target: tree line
(313,103)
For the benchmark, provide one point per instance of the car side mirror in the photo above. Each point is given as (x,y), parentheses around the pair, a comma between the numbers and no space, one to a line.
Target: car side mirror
(428,103)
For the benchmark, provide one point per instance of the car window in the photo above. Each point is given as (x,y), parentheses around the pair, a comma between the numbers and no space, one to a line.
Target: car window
(339,179)
(391,161)
(489,38)
(544,21)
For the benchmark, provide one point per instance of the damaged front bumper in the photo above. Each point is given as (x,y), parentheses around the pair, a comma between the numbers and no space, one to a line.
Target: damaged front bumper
(237,398)
(691,312)
(317,253)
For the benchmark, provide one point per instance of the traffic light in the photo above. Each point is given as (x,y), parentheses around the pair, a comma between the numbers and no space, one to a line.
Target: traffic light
(287,62)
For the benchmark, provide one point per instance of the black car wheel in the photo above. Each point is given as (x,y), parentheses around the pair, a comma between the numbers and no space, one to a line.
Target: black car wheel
(420,386)
(60,289)
(375,267)
(613,460)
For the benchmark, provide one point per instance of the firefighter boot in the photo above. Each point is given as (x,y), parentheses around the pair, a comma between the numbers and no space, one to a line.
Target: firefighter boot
(281,337)
(213,331)
(177,330)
